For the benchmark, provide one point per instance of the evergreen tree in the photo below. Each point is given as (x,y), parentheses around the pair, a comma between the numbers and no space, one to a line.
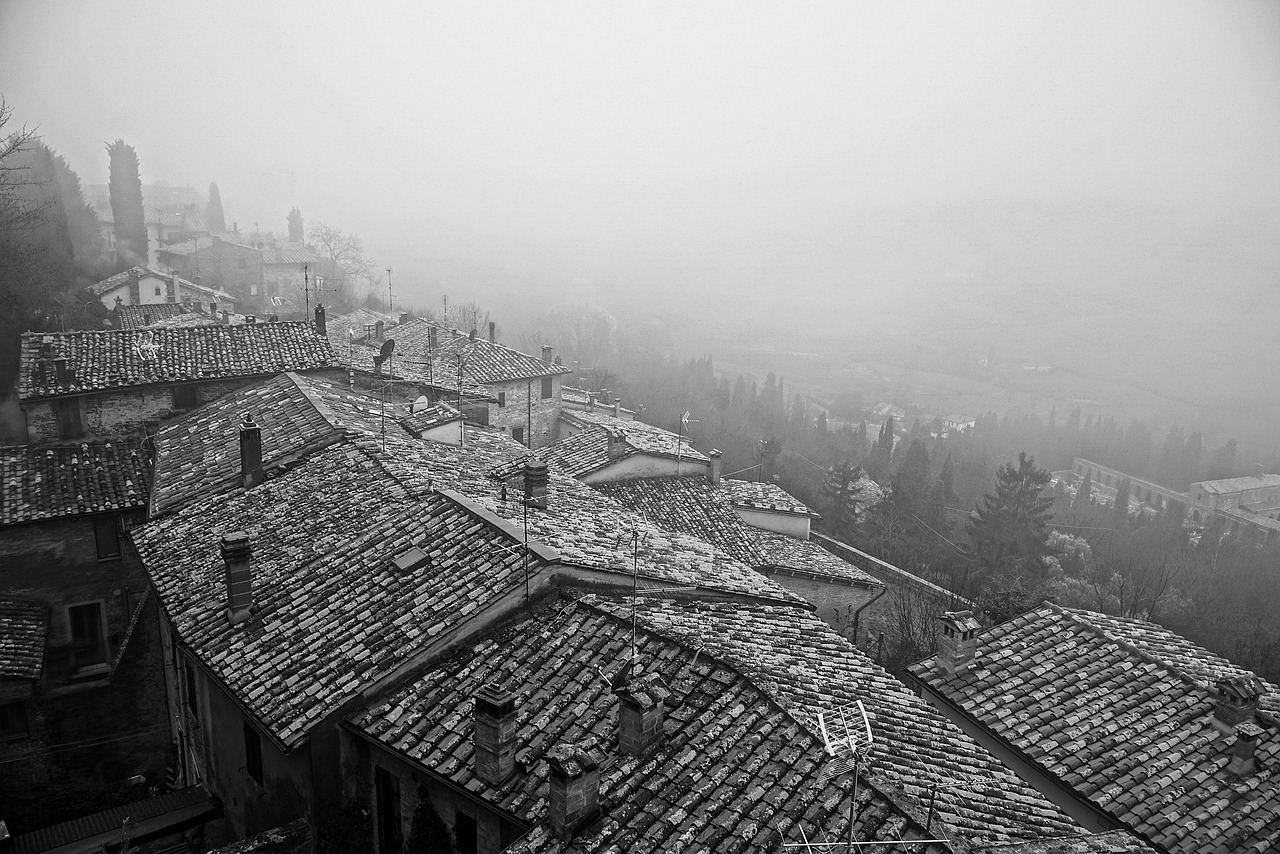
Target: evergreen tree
(947,477)
(860,439)
(1120,510)
(1009,533)
(1224,461)
(126,205)
(1084,495)
(911,486)
(295,220)
(87,246)
(216,220)
(841,492)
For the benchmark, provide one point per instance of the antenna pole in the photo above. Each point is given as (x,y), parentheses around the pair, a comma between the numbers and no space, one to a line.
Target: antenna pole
(526,546)
(306,290)
(391,306)
(635,597)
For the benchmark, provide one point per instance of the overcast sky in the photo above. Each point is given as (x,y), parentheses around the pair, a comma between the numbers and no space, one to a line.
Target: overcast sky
(582,131)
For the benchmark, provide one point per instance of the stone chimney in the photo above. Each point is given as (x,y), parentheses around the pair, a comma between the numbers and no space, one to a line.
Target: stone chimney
(617,407)
(1242,762)
(546,353)
(177,289)
(617,444)
(213,309)
(1236,702)
(958,642)
(404,317)
(535,484)
(495,733)
(642,705)
(321,325)
(431,337)
(237,556)
(250,453)
(574,787)
(715,456)
(379,330)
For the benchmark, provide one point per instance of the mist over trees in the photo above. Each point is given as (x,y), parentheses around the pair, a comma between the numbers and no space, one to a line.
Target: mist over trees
(214,218)
(126,205)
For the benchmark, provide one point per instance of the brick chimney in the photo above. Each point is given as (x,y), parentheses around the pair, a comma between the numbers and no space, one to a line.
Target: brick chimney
(1242,762)
(493,332)
(642,705)
(379,330)
(535,484)
(715,456)
(237,555)
(617,444)
(495,733)
(250,453)
(1236,702)
(177,289)
(574,787)
(546,353)
(321,325)
(958,642)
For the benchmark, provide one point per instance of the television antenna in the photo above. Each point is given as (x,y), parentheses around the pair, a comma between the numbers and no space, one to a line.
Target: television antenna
(685,421)
(384,356)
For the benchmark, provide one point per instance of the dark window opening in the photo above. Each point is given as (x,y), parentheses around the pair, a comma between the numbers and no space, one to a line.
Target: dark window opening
(387,793)
(546,388)
(88,646)
(185,397)
(70,419)
(517,433)
(13,720)
(464,833)
(502,398)
(106,533)
(157,290)
(252,753)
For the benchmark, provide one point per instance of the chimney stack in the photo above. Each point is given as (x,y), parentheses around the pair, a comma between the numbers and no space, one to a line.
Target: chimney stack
(591,401)
(213,309)
(431,337)
(1242,762)
(617,443)
(535,484)
(250,453)
(546,353)
(404,317)
(62,371)
(177,290)
(715,456)
(493,332)
(575,787)
(617,407)
(237,554)
(1237,702)
(642,704)
(226,317)
(495,733)
(959,642)
(321,325)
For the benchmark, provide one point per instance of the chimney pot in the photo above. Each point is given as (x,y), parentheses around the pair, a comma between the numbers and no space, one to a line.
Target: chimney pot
(250,453)
(958,643)
(641,710)
(431,337)
(574,792)
(591,401)
(226,317)
(1236,702)
(617,407)
(379,330)
(1242,762)
(321,324)
(495,733)
(535,484)
(493,332)
(404,317)
(237,556)
(715,456)
(546,353)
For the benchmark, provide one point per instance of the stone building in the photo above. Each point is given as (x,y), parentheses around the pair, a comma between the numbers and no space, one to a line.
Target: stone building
(226,265)
(148,286)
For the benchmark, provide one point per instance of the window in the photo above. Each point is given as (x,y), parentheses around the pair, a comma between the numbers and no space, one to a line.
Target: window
(253,289)
(85,624)
(157,290)
(517,433)
(13,720)
(106,532)
(546,388)
(193,704)
(502,398)
(70,419)
(252,753)
(464,833)
(386,788)
(185,397)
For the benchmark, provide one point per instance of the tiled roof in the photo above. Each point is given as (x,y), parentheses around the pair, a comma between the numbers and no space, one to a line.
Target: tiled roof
(46,482)
(185,247)
(765,496)
(1112,842)
(24,627)
(200,454)
(438,375)
(184,804)
(1118,710)
(807,557)
(690,505)
(359,324)
(1231,485)
(587,450)
(117,358)
(423,420)
(484,362)
(739,767)
(582,397)
(186,318)
(138,316)
(333,613)
(287,253)
(110,283)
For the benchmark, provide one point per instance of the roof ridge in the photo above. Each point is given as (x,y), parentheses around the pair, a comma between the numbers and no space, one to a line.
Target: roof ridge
(1126,644)
(313,397)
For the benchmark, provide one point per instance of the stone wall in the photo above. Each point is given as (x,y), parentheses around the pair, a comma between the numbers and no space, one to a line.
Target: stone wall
(516,411)
(837,603)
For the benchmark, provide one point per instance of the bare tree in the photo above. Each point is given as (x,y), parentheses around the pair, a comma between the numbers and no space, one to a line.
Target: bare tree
(345,253)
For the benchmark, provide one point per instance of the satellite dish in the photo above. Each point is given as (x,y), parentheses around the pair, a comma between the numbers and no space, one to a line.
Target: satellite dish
(420,404)
(387,347)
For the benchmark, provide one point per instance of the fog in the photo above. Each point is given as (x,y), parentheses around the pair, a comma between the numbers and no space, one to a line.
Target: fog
(839,170)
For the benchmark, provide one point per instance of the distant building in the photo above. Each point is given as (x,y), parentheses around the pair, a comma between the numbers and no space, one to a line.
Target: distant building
(957,423)
(141,285)
(222,264)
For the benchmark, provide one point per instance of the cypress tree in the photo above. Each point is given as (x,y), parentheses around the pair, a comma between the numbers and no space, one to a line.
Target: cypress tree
(1009,532)
(841,491)
(126,205)
(216,220)
(1085,492)
(295,222)
(1120,511)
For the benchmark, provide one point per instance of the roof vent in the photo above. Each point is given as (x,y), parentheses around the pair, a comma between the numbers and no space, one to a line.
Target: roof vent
(1237,701)
(251,473)
(959,642)
(617,443)
(535,484)
(411,560)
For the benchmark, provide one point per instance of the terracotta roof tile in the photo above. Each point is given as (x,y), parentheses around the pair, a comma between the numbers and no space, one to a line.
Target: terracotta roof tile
(739,767)
(138,316)
(765,496)
(587,450)
(49,481)
(1112,842)
(1120,711)
(423,420)
(24,628)
(117,358)
(484,362)
(809,558)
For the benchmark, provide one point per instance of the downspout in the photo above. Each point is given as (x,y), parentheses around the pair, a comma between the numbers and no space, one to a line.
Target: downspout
(865,605)
(528,416)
